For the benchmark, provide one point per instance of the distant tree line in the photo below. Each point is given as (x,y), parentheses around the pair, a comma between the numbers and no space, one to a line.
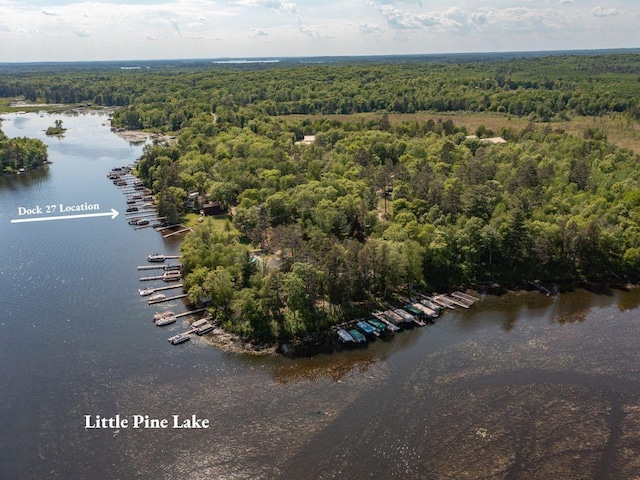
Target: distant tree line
(165,98)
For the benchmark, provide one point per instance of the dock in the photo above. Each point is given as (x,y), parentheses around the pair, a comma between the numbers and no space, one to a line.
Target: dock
(190,312)
(170,287)
(157,267)
(466,297)
(183,230)
(167,227)
(440,300)
(155,277)
(167,299)
(453,301)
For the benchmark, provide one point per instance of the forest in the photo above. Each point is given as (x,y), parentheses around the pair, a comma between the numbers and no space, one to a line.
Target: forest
(330,215)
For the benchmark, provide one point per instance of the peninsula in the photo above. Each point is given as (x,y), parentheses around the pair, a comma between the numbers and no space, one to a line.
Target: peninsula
(325,190)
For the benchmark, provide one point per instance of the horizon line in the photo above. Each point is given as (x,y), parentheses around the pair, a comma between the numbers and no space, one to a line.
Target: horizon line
(582,51)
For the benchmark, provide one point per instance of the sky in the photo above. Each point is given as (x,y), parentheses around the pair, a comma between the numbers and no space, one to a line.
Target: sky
(68,30)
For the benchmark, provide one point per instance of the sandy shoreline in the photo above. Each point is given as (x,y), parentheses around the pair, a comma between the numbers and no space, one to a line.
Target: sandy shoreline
(137,136)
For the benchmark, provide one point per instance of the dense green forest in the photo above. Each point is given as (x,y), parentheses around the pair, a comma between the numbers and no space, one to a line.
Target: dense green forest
(167,97)
(372,208)
(17,153)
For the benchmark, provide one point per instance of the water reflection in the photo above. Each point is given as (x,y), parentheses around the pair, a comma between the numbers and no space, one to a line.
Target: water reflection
(24,180)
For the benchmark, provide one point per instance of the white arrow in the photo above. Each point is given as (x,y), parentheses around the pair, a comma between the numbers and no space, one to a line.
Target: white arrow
(113,214)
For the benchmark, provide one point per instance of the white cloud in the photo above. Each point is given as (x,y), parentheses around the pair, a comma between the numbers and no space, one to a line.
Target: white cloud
(369,29)
(312,32)
(400,19)
(604,12)
(256,32)
(35,30)
(278,5)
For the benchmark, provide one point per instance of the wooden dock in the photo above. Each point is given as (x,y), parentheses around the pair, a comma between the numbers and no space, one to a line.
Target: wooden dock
(466,297)
(187,229)
(167,227)
(190,312)
(148,279)
(144,213)
(454,301)
(166,299)
(442,301)
(170,287)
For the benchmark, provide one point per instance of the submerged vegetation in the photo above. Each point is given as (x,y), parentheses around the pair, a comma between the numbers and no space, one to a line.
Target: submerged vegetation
(328,216)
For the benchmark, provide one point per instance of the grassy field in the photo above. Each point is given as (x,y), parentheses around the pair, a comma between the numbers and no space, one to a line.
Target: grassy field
(218,221)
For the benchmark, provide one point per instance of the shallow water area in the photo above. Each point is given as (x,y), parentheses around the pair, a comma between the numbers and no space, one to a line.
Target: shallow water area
(519,386)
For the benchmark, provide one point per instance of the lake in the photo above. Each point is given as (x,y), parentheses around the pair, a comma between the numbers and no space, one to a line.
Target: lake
(520,386)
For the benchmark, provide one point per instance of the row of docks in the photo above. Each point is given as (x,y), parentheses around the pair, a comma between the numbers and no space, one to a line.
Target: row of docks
(415,312)
(171,273)
(141,205)
(141,209)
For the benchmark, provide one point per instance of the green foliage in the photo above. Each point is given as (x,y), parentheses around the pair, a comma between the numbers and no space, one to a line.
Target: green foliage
(374,208)
(17,153)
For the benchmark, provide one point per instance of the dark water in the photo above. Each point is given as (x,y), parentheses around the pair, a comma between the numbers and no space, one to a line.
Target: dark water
(519,387)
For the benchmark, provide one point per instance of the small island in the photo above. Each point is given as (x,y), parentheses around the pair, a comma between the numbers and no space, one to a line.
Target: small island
(56,130)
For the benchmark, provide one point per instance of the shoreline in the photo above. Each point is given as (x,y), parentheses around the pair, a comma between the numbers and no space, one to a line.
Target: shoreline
(326,342)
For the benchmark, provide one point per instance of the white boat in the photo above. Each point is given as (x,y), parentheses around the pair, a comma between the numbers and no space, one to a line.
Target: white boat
(180,338)
(206,328)
(156,257)
(200,323)
(156,297)
(159,315)
(166,321)
(171,276)
(146,291)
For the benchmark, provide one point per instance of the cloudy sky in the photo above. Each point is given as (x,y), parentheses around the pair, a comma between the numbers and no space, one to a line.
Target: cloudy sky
(60,30)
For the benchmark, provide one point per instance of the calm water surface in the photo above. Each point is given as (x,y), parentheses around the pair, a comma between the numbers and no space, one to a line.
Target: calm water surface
(519,387)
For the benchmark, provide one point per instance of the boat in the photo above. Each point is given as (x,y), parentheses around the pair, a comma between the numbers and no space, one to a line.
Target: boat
(199,323)
(394,318)
(171,276)
(156,297)
(408,319)
(381,318)
(418,314)
(159,315)
(166,321)
(131,209)
(146,291)
(427,312)
(374,322)
(180,338)
(156,257)
(366,329)
(357,336)
(172,267)
(206,328)
(433,306)
(142,222)
(344,336)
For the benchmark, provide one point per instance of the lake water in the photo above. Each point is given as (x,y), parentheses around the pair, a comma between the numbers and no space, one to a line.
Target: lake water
(519,387)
